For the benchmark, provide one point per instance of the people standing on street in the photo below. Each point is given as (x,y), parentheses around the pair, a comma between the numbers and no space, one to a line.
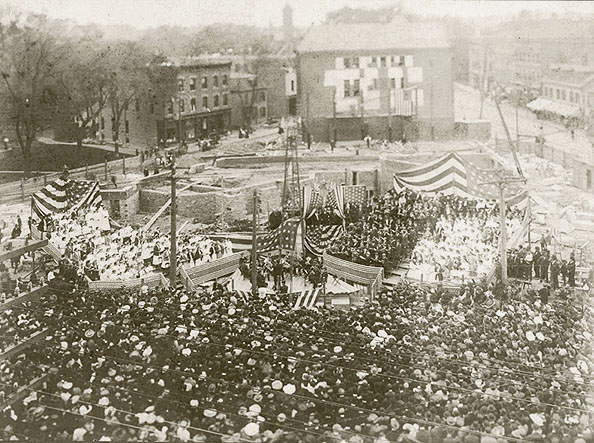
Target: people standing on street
(571,270)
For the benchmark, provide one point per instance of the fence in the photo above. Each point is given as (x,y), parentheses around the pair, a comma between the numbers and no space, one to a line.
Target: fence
(151,281)
(370,276)
(544,151)
(192,277)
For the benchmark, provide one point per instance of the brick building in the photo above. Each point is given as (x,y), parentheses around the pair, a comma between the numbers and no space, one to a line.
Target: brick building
(391,80)
(201,106)
(248,100)
(519,52)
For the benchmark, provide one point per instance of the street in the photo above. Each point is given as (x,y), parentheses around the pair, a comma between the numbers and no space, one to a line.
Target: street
(467,107)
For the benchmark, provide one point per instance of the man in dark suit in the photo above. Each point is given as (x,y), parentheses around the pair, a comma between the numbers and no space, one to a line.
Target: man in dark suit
(571,270)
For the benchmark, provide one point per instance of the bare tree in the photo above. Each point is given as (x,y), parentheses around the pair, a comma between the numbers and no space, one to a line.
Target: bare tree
(28,56)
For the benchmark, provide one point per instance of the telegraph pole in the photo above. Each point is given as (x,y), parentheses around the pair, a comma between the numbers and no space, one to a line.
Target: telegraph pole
(362,116)
(501,183)
(389,114)
(334,130)
(173,247)
(254,246)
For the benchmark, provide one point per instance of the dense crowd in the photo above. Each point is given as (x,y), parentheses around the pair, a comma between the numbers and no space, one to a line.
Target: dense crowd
(414,366)
(386,232)
(126,253)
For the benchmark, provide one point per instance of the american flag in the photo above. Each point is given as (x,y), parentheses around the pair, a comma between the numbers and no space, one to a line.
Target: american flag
(282,237)
(62,195)
(319,238)
(355,194)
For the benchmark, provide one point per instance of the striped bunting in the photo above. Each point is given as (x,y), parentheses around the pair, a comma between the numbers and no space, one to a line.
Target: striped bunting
(319,238)
(283,237)
(244,295)
(61,195)
(307,298)
(449,175)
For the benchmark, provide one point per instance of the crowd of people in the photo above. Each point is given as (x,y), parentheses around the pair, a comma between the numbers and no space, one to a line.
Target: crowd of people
(460,248)
(416,365)
(125,253)
(436,231)
(525,263)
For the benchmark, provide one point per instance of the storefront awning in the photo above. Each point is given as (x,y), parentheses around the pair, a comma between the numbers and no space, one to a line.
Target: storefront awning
(562,109)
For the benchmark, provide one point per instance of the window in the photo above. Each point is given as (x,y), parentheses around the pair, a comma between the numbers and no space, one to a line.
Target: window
(347,88)
(215,81)
(152,108)
(347,62)
(263,112)
(355,62)
(356,88)
(193,84)
(401,82)
(558,95)
(182,105)
(373,85)
(292,85)
(170,107)
(102,122)
(205,102)
(192,104)
(383,62)
(204,82)
(373,62)
(392,83)
(180,84)
(261,96)
(571,96)
(578,98)
(216,101)
(225,100)
(564,96)
(225,80)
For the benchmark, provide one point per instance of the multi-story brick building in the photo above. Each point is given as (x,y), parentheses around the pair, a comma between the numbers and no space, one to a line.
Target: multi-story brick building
(201,106)
(519,52)
(391,80)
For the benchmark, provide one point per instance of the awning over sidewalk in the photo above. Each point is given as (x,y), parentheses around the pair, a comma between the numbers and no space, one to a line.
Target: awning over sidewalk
(562,109)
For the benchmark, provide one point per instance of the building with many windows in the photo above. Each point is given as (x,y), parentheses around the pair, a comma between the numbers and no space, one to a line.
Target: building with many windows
(200,107)
(387,80)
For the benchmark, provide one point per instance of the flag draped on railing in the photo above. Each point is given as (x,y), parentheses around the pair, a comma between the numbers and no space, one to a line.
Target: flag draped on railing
(62,195)
(319,238)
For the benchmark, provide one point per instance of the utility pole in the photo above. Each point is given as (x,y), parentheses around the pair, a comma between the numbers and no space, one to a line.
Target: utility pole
(501,183)
(389,114)
(362,115)
(517,130)
(254,246)
(509,139)
(173,247)
(334,129)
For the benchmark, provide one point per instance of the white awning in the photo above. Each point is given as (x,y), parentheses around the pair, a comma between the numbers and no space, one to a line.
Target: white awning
(562,109)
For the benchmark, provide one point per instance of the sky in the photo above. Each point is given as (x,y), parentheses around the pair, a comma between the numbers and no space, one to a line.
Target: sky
(150,13)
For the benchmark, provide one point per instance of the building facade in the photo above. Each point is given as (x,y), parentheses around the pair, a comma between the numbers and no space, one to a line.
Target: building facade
(201,106)
(391,80)
(518,53)
(249,101)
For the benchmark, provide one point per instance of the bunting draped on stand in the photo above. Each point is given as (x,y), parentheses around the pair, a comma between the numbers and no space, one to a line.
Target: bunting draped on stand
(63,195)
(283,237)
(451,174)
(319,238)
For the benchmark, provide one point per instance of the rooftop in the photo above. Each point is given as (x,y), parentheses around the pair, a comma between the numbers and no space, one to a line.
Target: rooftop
(572,77)
(195,62)
(399,34)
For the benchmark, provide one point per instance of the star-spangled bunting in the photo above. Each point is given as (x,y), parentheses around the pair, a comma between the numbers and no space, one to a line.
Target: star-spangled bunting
(355,194)
(319,238)
(282,237)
